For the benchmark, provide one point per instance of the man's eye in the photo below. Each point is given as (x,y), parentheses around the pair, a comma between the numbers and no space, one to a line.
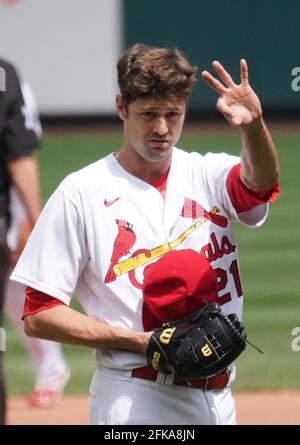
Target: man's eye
(148,114)
(173,114)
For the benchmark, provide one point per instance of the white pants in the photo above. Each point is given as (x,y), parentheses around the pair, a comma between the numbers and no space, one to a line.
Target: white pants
(118,399)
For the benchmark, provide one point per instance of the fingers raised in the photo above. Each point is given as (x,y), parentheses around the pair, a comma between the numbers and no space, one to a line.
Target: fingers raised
(244,72)
(214,83)
(218,86)
(224,75)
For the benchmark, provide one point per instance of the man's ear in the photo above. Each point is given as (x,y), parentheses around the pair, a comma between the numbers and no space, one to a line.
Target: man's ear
(121,107)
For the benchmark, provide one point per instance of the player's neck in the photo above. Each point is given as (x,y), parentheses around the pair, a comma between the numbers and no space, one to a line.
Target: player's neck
(141,168)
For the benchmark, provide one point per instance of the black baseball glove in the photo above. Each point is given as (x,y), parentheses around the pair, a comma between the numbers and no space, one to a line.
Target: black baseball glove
(200,345)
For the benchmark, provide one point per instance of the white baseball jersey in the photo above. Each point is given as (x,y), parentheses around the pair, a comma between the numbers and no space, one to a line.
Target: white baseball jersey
(102,226)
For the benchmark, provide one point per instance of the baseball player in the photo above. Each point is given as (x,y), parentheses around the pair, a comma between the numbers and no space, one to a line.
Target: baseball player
(143,236)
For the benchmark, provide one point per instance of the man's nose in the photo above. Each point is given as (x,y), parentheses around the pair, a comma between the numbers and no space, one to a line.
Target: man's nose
(161,127)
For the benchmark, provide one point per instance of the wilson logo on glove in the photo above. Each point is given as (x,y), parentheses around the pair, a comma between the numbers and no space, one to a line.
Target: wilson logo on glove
(199,346)
(166,335)
(155,360)
(206,351)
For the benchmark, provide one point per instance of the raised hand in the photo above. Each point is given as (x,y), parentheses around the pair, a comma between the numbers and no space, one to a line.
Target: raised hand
(238,103)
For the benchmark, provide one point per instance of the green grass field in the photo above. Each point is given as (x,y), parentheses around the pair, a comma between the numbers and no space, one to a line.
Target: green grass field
(269,261)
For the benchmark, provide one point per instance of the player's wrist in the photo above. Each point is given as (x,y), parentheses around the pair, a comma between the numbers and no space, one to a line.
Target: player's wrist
(144,341)
(134,341)
(256,125)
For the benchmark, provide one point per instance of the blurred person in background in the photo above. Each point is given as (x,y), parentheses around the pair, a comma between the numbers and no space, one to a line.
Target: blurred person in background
(51,372)
(20,133)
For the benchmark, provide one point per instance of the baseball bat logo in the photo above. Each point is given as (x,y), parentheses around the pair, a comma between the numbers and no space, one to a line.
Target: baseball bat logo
(120,268)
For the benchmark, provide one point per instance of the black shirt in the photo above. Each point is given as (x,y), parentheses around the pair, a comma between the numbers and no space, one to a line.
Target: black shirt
(15,139)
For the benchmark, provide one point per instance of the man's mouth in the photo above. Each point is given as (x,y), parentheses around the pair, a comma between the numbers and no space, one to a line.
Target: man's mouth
(159,144)
(159,141)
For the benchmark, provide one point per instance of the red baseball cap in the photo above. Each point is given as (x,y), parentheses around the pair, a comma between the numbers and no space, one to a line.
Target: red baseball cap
(179,283)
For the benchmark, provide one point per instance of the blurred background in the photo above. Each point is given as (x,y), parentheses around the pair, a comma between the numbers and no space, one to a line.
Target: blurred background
(67,50)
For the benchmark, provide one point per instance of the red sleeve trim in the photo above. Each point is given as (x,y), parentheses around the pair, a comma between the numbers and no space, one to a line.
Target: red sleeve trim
(244,199)
(36,301)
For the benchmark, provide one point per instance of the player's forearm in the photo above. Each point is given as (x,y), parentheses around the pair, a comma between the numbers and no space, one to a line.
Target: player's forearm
(259,160)
(24,175)
(65,325)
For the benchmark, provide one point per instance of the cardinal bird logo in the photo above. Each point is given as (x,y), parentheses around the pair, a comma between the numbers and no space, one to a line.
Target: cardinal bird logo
(124,241)
(191,209)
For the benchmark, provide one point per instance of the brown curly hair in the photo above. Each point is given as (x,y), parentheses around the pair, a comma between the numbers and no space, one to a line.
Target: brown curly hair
(160,73)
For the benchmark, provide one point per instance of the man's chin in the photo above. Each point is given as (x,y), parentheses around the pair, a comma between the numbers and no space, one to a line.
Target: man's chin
(159,154)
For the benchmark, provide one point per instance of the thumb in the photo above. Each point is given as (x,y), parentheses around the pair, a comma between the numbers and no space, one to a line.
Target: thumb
(236,120)
(223,107)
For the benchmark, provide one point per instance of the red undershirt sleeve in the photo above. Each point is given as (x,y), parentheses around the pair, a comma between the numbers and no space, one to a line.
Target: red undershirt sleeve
(36,301)
(244,199)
